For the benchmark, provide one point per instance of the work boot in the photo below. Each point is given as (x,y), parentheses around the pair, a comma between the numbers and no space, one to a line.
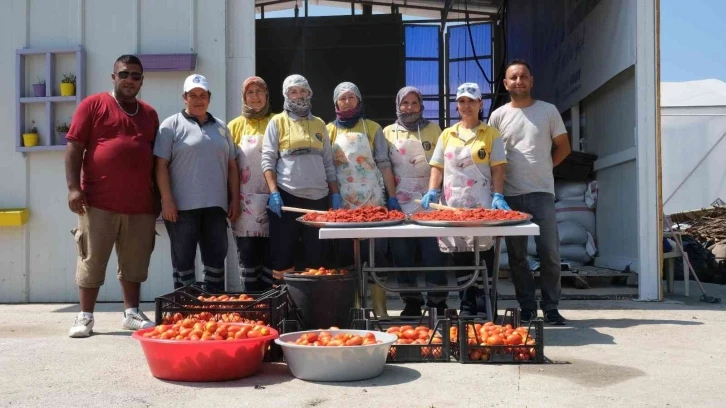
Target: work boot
(411,309)
(378,297)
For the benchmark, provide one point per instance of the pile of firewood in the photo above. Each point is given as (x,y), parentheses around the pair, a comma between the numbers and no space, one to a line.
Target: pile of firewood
(706,226)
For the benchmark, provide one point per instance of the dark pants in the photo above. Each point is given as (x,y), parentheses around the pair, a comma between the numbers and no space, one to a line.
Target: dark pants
(542,208)
(405,251)
(254,272)
(206,227)
(289,237)
(473,298)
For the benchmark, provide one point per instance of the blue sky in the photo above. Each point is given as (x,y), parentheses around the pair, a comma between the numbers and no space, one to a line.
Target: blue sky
(692,37)
(692,40)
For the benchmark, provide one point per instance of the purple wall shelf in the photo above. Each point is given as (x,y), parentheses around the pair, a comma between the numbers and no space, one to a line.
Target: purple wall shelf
(168,62)
(50,141)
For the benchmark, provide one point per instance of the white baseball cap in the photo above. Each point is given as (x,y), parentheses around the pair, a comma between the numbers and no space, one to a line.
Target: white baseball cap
(468,89)
(195,81)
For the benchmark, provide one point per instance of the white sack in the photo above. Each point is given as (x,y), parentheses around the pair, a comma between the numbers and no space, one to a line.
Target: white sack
(571,233)
(576,211)
(590,245)
(576,253)
(591,194)
(570,190)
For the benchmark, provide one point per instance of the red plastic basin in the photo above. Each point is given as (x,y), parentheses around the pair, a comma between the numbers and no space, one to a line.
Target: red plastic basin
(186,360)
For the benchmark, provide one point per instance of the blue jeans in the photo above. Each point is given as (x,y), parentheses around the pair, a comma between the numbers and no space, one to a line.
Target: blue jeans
(542,208)
(206,227)
(404,251)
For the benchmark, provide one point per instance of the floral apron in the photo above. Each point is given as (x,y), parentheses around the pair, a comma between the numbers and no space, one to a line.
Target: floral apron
(360,181)
(411,172)
(465,186)
(253,221)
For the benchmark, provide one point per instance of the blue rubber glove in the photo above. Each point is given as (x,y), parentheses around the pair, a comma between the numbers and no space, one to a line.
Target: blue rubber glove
(337,201)
(432,196)
(393,204)
(499,203)
(274,202)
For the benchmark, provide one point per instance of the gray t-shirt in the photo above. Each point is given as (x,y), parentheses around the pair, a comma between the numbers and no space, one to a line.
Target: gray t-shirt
(528,134)
(298,150)
(198,160)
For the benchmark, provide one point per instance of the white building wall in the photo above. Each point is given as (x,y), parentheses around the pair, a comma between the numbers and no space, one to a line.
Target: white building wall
(37,261)
(608,117)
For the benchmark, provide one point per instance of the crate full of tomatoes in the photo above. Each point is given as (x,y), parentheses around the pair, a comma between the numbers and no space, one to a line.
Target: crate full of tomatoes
(269,308)
(421,341)
(477,341)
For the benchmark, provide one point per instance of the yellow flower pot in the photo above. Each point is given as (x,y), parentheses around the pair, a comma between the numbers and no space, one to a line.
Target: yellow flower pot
(30,139)
(67,89)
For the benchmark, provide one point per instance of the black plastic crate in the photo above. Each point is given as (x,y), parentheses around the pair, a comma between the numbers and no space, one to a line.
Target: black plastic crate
(271,306)
(413,353)
(499,354)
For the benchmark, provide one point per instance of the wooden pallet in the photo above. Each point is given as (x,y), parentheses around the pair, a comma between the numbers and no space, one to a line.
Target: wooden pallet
(584,276)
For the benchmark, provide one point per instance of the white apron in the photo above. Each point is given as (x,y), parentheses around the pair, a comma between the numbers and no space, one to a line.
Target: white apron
(360,181)
(411,171)
(254,193)
(465,186)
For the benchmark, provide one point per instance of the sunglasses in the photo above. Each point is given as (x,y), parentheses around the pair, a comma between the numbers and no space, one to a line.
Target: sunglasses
(135,76)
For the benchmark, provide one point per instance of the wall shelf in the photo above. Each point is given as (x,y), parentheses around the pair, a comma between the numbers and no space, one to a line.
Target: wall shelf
(49,141)
(43,99)
(168,62)
(53,148)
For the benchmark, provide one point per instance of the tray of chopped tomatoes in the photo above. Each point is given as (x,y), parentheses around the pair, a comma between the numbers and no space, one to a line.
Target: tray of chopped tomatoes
(368,216)
(470,217)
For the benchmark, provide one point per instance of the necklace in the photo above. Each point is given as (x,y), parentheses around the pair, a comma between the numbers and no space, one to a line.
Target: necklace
(113,93)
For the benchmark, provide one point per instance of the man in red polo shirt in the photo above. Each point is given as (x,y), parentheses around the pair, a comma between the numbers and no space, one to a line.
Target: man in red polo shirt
(111,138)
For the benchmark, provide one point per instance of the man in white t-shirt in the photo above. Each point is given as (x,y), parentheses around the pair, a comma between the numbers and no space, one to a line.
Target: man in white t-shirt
(535,140)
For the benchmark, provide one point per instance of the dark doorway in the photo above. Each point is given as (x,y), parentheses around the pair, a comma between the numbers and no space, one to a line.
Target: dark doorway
(366,50)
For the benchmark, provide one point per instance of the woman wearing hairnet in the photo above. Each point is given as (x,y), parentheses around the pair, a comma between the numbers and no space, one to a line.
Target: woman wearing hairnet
(251,229)
(298,166)
(411,141)
(360,155)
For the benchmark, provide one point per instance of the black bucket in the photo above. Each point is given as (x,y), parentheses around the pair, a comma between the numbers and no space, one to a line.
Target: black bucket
(322,301)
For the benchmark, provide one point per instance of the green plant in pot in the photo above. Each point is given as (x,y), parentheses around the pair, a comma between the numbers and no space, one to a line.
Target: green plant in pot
(62,130)
(68,85)
(30,137)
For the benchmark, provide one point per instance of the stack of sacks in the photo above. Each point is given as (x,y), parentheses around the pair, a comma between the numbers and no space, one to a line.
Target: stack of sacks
(575,206)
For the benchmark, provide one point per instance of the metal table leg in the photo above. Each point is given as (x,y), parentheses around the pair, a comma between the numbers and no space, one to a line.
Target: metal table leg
(477,263)
(495,272)
(361,273)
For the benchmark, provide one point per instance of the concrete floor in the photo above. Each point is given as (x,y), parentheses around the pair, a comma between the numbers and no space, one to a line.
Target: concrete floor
(613,353)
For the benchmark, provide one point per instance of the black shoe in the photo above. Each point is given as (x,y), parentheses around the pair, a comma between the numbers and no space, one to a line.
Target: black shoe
(554,317)
(411,309)
(527,315)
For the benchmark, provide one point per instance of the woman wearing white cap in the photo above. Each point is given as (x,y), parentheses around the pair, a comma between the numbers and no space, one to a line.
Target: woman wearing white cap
(298,166)
(411,141)
(252,228)
(360,154)
(196,170)
(469,159)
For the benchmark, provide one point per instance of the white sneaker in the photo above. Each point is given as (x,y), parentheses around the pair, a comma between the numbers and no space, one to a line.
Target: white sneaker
(82,327)
(136,321)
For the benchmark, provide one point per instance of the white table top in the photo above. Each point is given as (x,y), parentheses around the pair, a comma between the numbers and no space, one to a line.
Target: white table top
(415,230)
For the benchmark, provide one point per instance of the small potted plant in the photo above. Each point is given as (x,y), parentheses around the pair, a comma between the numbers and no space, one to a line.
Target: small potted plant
(39,88)
(62,130)
(68,85)
(30,138)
